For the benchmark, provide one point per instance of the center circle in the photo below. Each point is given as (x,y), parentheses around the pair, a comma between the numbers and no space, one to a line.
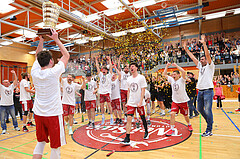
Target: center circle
(107,137)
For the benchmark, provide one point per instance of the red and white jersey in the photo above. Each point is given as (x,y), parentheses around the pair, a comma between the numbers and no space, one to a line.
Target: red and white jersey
(179,94)
(6,94)
(105,83)
(88,94)
(124,77)
(47,89)
(115,89)
(135,86)
(24,95)
(69,91)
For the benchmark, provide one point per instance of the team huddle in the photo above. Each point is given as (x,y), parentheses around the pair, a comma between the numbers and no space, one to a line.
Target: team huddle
(121,90)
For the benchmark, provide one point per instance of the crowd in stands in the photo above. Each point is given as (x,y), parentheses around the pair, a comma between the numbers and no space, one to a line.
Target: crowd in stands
(224,48)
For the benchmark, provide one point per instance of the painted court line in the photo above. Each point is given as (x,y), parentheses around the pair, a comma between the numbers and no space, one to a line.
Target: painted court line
(17,135)
(219,135)
(200,137)
(230,120)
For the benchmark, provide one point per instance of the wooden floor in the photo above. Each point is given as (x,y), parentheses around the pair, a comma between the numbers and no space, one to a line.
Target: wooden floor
(224,144)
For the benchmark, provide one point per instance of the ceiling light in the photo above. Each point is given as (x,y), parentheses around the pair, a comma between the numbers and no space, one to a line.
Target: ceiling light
(143,3)
(18,39)
(114,3)
(64,25)
(81,41)
(181,14)
(137,30)
(5,7)
(215,15)
(91,17)
(121,33)
(80,14)
(237,11)
(75,36)
(97,38)
(113,11)
(5,43)
(26,33)
(32,52)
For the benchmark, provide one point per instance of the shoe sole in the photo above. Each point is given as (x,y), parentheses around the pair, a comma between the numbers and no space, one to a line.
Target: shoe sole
(146,137)
(123,143)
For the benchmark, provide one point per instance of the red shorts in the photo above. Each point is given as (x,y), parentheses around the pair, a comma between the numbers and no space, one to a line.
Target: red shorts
(68,109)
(27,106)
(53,127)
(131,110)
(115,103)
(90,104)
(105,98)
(183,107)
(123,95)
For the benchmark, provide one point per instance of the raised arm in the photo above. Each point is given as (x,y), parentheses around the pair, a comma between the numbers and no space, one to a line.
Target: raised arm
(165,70)
(119,60)
(189,53)
(118,72)
(207,54)
(181,70)
(40,46)
(62,48)
(97,65)
(110,64)
(15,77)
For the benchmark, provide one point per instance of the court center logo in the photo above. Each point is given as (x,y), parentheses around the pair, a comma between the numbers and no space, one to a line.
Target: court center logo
(108,137)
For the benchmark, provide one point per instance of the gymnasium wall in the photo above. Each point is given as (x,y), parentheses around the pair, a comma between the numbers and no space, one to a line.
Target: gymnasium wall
(15,55)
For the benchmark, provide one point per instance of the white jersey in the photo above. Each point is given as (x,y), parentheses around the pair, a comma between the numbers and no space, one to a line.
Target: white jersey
(205,76)
(6,94)
(105,83)
(24,95)
(47,89)
(115,89)
(69,91)
(88,92)
(179,94)
(135,86)
(147,94)
(124,77)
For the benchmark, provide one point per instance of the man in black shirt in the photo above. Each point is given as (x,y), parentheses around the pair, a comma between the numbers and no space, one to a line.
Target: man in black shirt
(191,92)
(153,90)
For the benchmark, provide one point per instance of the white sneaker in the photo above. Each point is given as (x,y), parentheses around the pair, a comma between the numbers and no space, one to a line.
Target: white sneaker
(17,129)
(4,131)
(70,132)
(153,111)
(111,121)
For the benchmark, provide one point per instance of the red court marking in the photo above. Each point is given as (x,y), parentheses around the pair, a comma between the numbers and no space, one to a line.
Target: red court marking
(105,134)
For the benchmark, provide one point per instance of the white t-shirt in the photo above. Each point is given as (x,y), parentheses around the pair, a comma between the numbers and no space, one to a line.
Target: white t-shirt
(147,94)
(115,89)
(47,89)
(105,83)
(124,77)
(205,76)
(179,94)
(6,94)
(24,95)
(135,86)
(69,91)
(88,93)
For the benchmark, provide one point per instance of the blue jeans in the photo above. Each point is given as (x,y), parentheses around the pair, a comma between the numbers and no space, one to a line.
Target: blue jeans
(204,100)
(11,111)
(192,108)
